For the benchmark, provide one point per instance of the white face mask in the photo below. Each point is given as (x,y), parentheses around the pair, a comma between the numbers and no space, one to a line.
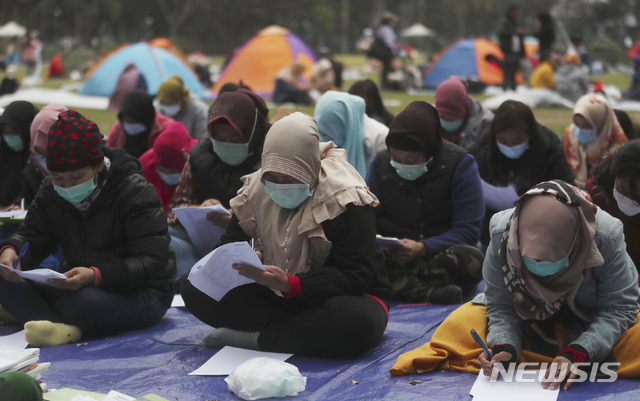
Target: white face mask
(169,179)
(626,205)
(170,110)
(42,161)
(133,129)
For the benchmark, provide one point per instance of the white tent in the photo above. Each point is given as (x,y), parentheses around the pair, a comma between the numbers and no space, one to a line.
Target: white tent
(417,30)
(12,29)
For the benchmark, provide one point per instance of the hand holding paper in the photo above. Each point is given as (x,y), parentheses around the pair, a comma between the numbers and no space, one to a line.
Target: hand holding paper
(39,275)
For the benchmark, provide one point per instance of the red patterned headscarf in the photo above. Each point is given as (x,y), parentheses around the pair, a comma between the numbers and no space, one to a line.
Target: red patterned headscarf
(73,143)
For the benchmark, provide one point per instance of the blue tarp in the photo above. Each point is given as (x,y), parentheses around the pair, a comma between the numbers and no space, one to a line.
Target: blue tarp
(157,360)
(154,63)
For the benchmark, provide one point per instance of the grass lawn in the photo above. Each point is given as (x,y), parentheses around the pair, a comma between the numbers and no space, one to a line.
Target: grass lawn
(555,119)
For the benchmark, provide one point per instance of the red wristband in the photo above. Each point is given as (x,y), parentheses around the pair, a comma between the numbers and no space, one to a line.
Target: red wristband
(578,356)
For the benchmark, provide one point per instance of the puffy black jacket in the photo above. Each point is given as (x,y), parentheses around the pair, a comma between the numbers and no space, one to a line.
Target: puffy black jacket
(123,234)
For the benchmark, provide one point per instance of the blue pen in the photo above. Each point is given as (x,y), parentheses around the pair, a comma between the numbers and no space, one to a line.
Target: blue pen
(22,252)
(479,341)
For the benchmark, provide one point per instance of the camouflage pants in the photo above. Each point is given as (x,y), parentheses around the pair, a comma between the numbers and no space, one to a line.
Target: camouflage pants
(414,282)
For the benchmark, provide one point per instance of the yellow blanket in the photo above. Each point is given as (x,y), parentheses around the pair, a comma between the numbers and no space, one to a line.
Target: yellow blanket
(453,348)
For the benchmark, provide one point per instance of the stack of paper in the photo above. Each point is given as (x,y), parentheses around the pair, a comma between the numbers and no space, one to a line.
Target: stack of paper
(229,358)
(15,216)
(203,234)
(521,386)
(387,241)
(23,360)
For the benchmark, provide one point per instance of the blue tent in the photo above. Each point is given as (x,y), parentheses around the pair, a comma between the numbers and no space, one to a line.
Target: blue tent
(155,64)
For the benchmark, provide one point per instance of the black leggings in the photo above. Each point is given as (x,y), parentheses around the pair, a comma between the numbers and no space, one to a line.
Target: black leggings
(341,327)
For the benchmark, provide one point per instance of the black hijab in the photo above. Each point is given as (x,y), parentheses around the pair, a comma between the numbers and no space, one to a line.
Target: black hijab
(138,105)
(19,116)
(416,128)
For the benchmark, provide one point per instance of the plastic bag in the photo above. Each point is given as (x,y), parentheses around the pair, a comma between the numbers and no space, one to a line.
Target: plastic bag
(264,378)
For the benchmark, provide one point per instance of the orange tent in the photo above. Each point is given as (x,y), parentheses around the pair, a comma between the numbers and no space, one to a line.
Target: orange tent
(169,45)
(261,58)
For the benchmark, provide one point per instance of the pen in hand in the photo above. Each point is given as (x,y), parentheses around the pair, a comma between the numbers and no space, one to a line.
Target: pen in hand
(479,341)
(22,252)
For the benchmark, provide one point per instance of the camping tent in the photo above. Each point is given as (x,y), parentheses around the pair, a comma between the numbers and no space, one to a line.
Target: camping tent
(417,30)
(261,58)
(169,45)
(12,29)
(154,63)
(467,58)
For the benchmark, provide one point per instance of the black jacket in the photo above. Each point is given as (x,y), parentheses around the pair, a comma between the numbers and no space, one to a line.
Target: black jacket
(215,178)
(123,234)
(353,266)
(423,207)
(547,162)
(506,31)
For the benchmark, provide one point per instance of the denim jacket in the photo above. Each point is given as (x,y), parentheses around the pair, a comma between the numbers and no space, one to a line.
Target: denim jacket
(607,296)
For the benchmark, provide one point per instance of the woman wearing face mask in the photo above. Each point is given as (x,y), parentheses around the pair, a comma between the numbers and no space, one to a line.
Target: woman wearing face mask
(615,188)
(368,90)
(237,128)
(138,124)
(517,152)
(177,102)
(162,165)
(556,264)
(15,142)
(324,290)
(113,234)
(36,169)
(341,119)
(463,119)
(431,199)
(594,130)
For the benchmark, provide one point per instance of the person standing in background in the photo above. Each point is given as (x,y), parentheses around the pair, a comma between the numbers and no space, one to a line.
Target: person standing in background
(388,36)
(510,36)
(545,33)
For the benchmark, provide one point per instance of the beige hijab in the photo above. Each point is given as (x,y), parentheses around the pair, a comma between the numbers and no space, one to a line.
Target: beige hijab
(293,239)
(598,112)
(544,224)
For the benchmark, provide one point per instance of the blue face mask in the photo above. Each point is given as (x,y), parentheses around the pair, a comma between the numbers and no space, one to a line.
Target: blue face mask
(234,154)
(513,152)
(77,193)
(14,142)
(544,268)
(410,172)
(169,179)
(585,135)
(287,196)
(133,129)
(42,161)
(450,126)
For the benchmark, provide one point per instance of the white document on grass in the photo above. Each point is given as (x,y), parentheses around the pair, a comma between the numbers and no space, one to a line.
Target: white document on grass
(387,241)
(229,358)
(13,341)
(499,198)
(204,234)
(516,389)
(39,275)
(214,274)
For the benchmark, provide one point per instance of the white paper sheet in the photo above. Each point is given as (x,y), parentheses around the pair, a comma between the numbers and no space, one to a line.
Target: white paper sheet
(11,358)
(214,274)
(204,234)
(229,358)
(15,214)
(498,199)
(484,390)
(39,275)
(13,341)
(178,302)
(387,241)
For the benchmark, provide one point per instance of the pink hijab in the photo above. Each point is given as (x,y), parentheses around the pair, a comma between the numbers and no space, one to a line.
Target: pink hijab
(40,128)
(452,103)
